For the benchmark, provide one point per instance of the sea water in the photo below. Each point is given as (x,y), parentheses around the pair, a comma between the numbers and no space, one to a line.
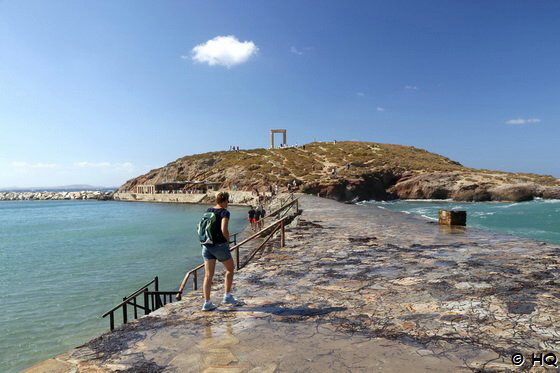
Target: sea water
(538,219)
(65,263)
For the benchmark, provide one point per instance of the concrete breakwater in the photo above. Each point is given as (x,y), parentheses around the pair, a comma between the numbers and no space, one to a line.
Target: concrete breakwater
(355,289)
(43,196)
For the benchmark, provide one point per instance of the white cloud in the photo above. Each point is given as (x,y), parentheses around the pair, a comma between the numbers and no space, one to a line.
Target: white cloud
(300,51)
(19,164)
(92,165)
(223,50)
(523,121)
(379,108)
(411,87)
(125,167)
(119,167)
(294,50)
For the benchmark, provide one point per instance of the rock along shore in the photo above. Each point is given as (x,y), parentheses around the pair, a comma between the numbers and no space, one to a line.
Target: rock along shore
(355,289)
(43,196)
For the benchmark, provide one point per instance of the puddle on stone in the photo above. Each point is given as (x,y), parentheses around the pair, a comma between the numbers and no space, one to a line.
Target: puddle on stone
(254,345)
(390,272)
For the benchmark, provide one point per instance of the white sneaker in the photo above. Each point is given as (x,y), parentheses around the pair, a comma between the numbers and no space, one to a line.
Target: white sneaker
(229,299)
(208,306)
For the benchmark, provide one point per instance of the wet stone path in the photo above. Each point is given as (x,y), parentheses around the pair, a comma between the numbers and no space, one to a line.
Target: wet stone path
(356,289)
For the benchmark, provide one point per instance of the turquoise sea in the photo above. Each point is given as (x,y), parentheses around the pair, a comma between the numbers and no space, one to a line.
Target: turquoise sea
(538,219)
(64,263)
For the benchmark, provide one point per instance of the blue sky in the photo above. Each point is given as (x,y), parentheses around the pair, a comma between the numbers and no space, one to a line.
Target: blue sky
(101,91)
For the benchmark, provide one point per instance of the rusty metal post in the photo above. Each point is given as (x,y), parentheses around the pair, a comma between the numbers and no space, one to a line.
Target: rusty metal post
(282,234)
(447,217)
(124,313)
(195,280)
(237,257)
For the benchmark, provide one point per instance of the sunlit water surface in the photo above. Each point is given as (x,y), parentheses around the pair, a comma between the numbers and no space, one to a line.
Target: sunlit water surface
(64,263)
(538,219)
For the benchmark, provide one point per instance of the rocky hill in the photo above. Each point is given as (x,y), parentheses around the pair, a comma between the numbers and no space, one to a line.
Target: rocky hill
(350,170)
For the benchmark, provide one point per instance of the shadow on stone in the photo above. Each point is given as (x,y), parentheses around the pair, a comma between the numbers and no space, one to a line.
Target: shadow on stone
(276,309)
(143,367)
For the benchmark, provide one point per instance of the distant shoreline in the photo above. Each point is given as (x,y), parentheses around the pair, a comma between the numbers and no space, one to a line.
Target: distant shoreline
(103,195)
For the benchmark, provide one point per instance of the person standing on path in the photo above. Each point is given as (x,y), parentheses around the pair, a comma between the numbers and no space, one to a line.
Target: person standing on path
(262,213)
(257,219)
(218,250)
(251,214)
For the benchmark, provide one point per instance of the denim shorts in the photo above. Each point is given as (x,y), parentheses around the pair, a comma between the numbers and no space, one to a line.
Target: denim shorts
(219,251)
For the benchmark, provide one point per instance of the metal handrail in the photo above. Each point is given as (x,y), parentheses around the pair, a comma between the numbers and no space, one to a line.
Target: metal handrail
(262,245)
(155,296)
(284,207)
(133,295)
(279,224)
(235,248)
(155,280)
(234,241)
(131,300)
(279,213)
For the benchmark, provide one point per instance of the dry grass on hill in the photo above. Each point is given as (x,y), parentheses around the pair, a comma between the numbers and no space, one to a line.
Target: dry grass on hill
(351,159)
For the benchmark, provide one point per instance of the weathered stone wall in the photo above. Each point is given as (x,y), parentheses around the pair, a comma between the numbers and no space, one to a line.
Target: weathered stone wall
(150,197)
(236,197)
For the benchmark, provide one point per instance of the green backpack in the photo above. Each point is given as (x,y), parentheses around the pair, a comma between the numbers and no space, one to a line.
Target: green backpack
(204,228)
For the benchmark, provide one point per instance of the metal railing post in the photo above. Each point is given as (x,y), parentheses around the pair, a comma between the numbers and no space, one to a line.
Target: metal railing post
(112,321)
(195,280)
(156,302)
(146,302)
(237,258)
(124,312)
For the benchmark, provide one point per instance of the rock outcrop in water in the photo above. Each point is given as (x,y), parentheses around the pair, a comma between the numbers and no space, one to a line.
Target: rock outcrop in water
(471,187)
(348,171)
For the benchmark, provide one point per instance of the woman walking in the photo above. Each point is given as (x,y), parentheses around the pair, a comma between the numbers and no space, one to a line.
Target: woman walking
(219,250)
